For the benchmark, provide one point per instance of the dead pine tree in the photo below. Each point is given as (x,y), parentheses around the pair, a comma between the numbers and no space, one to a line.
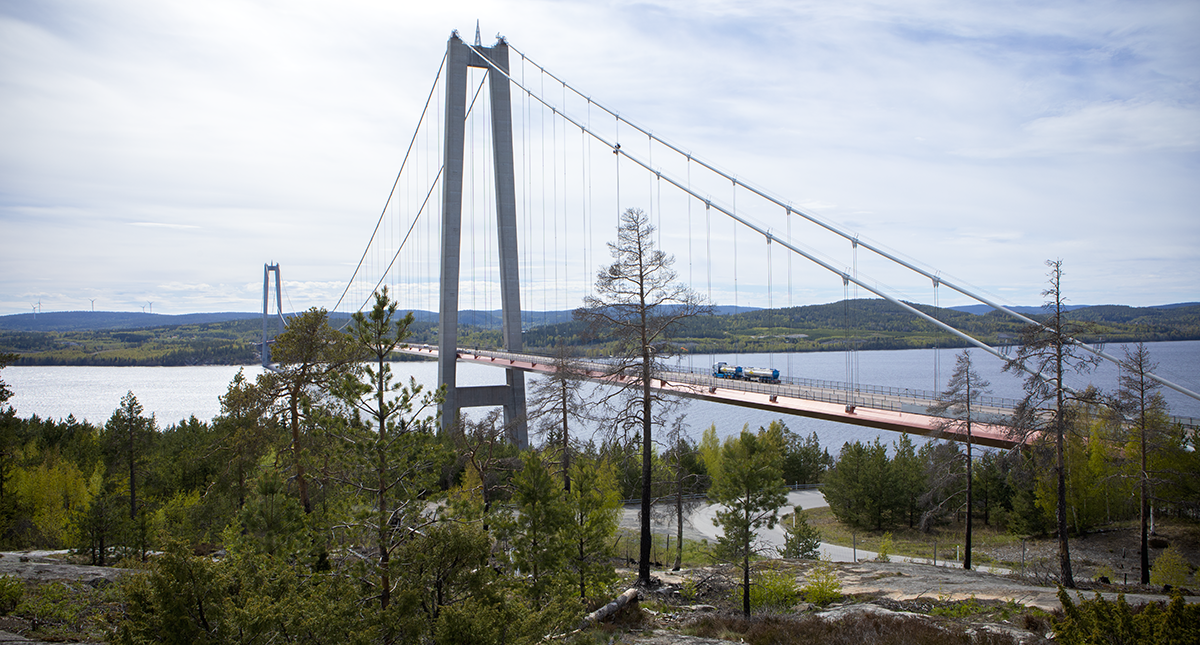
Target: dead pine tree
(555,400)
(682,461)
(1143,411)
(1047,354)
(637,304)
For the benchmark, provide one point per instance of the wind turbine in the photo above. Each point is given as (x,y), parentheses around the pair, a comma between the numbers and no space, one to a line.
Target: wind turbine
(93,304)
(151,307)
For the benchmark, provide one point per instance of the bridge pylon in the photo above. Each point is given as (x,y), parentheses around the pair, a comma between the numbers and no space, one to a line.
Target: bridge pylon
(511,395)
(268,269)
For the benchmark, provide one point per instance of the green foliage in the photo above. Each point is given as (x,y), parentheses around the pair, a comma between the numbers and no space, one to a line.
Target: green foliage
(822,585)
(50,492)
(804,460)
(536,528)
(801,539)
(770,588)
(1170,568)
(750,487)
(272,520)
(11,591)
(968,607)
(248,596)
(594,507)
(883,551)
(861,487)
(1099,621)
(52,608)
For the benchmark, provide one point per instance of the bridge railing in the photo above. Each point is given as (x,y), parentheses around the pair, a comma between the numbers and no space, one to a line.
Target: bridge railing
(879,397)
(866,396)
(898,392)
(824,395)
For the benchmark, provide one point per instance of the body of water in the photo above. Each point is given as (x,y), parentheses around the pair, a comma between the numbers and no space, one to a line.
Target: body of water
(173,394)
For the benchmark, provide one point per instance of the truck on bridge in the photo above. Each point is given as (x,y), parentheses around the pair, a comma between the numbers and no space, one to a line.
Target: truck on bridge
(737,372)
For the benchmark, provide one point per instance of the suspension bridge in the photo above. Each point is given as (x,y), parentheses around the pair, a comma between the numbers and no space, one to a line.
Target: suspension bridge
(507,194)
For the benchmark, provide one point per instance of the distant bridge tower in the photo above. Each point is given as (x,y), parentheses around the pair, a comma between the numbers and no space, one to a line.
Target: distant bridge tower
(511,395)
(268,269)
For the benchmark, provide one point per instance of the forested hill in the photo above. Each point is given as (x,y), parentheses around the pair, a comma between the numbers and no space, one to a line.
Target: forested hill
(878,324)
(865,324)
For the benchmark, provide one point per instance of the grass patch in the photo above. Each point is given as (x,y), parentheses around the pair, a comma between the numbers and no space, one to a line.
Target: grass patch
(906,542)
(662,550)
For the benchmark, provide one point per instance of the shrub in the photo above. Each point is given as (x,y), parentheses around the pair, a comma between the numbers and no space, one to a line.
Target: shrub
(11,590)
(823,585)
(53,608)
(885,548)
(1101,621)
(802,540)
(770,588)
(1170,568)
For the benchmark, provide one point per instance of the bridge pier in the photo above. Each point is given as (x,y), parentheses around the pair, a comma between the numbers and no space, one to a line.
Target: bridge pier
(511,395)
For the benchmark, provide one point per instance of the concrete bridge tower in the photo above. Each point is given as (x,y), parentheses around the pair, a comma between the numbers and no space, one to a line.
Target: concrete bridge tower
(511,395)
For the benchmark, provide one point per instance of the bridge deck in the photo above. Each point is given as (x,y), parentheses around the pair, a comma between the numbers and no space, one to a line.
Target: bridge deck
(881,408)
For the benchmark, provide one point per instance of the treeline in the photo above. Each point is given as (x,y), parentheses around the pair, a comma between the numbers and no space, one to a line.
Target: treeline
(866,324)
(876,487)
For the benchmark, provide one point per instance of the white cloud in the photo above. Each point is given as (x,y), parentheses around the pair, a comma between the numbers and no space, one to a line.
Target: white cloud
(153,149)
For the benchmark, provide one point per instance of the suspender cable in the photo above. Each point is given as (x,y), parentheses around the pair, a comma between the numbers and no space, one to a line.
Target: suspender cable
(787,219)
(937,350)
(403,163)
(870,247)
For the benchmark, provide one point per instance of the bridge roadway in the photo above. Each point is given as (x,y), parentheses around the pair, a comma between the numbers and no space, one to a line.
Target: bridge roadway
(895,409)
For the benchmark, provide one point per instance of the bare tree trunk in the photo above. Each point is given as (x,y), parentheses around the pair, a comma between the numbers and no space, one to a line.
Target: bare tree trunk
(647,453)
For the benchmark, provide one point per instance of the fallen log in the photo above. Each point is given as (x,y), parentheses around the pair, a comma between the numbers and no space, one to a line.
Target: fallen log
(611,608)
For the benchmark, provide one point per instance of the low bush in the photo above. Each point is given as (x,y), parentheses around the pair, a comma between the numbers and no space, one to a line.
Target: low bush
(770,588)
(823,586)
(1103,621)
(11,590)
(1170,568)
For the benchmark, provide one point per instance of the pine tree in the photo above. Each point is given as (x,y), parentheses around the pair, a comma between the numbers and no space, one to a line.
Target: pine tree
(751,489)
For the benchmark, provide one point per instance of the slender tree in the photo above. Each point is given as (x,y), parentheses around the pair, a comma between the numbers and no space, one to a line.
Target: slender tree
(312,356)
(556,400)
(595,507)
(538,527)
(125,439)
(751,489)
(1144,411)
(957,408)
(638,303)
(1048,352)
(242,424)
(682,459)
(392,454)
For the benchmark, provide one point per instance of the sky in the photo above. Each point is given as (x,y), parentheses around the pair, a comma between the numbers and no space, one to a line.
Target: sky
(156,154)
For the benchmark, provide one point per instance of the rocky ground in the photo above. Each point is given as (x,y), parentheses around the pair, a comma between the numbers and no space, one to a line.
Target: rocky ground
(950,598)
(1014,605)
